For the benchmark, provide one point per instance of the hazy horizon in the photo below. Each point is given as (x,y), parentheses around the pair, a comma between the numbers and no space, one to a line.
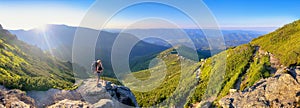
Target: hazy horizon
(260,29)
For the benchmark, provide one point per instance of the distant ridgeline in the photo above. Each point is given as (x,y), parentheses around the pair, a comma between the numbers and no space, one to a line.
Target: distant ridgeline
(60,40)
(27,67)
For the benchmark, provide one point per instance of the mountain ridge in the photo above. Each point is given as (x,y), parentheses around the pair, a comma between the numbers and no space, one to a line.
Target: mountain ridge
(270,65)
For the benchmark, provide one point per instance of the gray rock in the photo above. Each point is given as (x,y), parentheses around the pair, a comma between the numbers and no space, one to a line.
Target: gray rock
(87,95)
(43,98)
(91,92)
(125,96)
(108,85)
(282,90)
(226,102)
(104,103)
(1,27)
(15,99)
(2,87)
(70,104)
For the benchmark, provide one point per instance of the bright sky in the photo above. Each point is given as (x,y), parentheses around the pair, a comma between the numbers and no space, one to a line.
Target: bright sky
(27,14)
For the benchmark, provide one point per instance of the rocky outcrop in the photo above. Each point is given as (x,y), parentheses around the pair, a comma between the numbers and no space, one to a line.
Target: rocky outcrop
(88,95)
(108,95)
(71,104)
(282,90)
(46,98)
(1,27)
(105,103)
(91,92)
(15,99)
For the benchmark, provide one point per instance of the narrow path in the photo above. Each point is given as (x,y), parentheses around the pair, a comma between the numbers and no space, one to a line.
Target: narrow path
(239,81)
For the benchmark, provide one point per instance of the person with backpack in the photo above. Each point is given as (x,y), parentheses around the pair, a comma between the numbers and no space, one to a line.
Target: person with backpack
(99,69)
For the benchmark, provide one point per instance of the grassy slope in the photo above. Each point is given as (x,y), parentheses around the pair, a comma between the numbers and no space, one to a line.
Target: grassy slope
(214,81)
(243,64)
(240,62)
(283,43)
(26,67)
(163,93)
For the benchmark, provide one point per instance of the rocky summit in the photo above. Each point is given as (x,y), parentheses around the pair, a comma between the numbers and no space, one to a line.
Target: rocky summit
(108,95)
(88,95)
(281,90)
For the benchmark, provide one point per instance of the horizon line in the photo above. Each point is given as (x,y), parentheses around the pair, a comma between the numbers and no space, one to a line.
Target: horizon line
(118,28)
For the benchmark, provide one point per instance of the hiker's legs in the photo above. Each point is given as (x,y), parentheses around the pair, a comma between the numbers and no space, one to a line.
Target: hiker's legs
(98,76)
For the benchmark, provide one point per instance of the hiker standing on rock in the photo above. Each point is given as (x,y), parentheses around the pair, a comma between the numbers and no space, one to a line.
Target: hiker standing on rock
(99,69)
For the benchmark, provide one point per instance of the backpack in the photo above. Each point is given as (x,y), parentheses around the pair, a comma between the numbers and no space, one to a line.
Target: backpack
(94,66)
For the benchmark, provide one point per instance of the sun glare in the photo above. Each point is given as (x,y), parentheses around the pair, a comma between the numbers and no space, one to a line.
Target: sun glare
(42,28)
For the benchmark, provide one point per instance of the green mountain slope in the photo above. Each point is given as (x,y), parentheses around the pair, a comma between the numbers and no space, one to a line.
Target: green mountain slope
(27,67)
(177,79)
(236,68)
(283,43)
(247,64)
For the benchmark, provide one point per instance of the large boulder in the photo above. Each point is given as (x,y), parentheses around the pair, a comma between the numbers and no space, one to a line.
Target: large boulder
(71,104)
(125,96)
(104,103)
(91,92)
(51,96)
(121,94)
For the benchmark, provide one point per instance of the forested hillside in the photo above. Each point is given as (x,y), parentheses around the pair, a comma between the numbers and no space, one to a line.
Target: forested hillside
(27,67)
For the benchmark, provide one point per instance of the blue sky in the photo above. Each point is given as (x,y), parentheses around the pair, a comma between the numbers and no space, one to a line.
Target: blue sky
(254,12)
(27,14)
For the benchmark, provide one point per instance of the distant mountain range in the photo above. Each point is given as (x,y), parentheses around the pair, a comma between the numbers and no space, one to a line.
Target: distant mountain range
(231,37)
(58,40)
(55,36)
